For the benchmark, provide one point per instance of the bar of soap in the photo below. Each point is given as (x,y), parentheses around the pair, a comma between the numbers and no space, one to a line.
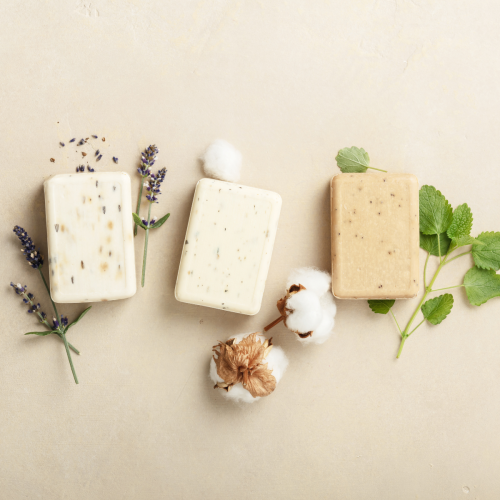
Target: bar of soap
(228,246)
(90,239)
(375,236)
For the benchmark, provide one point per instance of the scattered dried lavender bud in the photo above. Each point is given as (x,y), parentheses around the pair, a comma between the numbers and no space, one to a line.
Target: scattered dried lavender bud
(115,159)
(82,141)
(99,157)
(62,144)
(94,136)
(97,153)
(90,169)
(72,140)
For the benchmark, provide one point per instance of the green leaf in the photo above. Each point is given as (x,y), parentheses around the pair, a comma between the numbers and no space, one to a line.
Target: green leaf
(160,222)
(462,241)
(436,310)
(435,212)
(461,223)
(429,242)
(41,334)
(381,306)
(481,285)
(486,251)
(138,221)
(79,318)
(352,160)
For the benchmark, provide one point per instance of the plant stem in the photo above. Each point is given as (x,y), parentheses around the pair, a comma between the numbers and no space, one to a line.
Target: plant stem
(459,255)
(445,288)
(274,323)
(425,269)
(48,291)
(379,169)
(69,357)
(428,289)
(146,248)
(139,203)
(72,347)
(416,327)
(397,324)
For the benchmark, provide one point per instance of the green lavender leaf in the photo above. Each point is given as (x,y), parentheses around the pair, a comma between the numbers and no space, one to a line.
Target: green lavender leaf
(461,223)
(353,160)
(381,306)
(481,285)
(73,323)
(436,310)
(138,221)
(429,242)
(160,222)
(42,334)
(435,212)
(486,251)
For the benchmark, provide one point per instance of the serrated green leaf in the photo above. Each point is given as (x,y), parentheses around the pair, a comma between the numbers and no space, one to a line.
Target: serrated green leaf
(381,306)
(138,221)
(352,160)
(486,251)
(461,223)
(435,212)
(481,285)
(436,310)
(429,242)
(41,334)
(79,318)
(160,222)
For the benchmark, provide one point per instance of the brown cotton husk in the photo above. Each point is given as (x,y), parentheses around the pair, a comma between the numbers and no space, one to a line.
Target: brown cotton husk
(281,305)
(244,363)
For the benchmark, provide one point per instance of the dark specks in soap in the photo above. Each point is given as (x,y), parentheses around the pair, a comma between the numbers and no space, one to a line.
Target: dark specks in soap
(82,264)
(187,242)
(96,183)
(72,280)
(103,210)
(57,228)
(119,208)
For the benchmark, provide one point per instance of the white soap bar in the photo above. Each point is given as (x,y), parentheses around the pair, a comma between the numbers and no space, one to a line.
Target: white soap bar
(228,246)
(90,238)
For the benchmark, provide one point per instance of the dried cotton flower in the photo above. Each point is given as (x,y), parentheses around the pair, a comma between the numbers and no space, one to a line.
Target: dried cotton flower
(308,308)
(222,161)
(247,367)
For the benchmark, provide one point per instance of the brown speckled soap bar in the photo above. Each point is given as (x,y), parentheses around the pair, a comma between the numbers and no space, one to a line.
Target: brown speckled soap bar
(89,234)
(375,236)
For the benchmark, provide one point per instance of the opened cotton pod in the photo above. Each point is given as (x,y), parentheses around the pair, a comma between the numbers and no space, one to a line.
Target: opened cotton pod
(247,367)
(308,308)
(229,239)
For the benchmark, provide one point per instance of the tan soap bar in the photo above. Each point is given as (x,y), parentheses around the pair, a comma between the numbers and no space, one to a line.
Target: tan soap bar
(375,236)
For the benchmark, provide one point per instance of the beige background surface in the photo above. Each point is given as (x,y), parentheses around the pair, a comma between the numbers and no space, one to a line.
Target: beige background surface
(416,83)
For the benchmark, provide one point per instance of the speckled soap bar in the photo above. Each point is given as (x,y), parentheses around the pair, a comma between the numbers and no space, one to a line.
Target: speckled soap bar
(228,246)
(90,240)
(375,236)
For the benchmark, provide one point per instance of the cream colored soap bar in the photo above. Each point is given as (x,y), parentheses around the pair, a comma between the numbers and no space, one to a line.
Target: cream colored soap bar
(228,246)
(90,240)
(375,236)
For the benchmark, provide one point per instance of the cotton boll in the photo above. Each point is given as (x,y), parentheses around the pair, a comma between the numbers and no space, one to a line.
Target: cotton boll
(276,361)
(222,161)
(325,329)
(313,279)
(306,313)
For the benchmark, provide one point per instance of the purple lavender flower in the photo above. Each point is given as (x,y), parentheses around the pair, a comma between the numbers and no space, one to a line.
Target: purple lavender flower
(153,185)
(62,144)
(148,158)
(115,159)
(72,140)
(81,143)
(33,256)
(28,299)
(98,158)
(90,169)
(97,153)
(94,136)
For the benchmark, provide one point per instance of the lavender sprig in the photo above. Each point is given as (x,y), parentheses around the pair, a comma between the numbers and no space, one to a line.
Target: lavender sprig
(60,324)
(148,158)
(152,185)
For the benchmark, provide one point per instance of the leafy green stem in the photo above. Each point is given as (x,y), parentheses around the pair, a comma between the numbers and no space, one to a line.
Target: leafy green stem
(379,169)
(445,288)
(416,327)
(459,255)
(428,289)
(63,336)
(425,269)
(48,291)
(146,247)
(139,202)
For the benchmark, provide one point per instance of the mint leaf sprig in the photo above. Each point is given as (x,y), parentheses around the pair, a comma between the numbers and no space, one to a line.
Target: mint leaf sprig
(152,184)
(60,324)
(442,231)
(354,160)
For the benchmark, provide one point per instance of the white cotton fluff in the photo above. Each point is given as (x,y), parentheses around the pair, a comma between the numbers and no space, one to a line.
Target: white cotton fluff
(222,161)
(308,315)
(276,361)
